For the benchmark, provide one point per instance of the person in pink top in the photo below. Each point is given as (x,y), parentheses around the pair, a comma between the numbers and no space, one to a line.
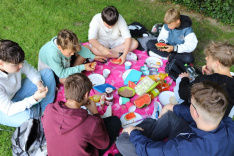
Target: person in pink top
(71,130)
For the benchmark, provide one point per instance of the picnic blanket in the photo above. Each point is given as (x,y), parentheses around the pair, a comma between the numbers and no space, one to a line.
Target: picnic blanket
(115,79)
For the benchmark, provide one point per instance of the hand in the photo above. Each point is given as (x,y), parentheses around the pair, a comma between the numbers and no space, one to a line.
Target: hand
(100,58)
(91,106)
(123,58)
(40,86)
(129,129)
(168,48)
(104,50)
(184,75)
(206,71)
(40,94)
(88,67)
(166,109)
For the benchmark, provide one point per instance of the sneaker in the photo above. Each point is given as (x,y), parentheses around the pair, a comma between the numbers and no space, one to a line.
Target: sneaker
(152,54)
(131,56)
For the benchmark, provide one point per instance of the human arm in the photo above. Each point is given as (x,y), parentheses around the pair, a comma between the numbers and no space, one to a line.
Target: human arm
(10,108)
(163,35)
(127,45)
(190,42)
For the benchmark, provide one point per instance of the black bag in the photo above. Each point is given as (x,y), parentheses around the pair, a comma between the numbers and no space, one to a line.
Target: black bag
(174,68)
(137,29)
(29,139)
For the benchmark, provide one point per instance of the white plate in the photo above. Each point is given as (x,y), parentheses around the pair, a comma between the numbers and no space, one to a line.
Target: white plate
(125,74)
(164,97)
(124,122)
(96,79)
(151,62)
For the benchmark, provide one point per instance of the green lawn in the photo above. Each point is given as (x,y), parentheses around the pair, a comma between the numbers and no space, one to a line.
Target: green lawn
(32,23)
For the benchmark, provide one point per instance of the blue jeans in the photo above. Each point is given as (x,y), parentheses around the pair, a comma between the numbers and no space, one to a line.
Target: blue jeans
(28,89)
(168,126)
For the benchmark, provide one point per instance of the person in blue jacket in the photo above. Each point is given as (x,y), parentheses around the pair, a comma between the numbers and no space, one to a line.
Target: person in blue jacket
(178,34)
(208,134)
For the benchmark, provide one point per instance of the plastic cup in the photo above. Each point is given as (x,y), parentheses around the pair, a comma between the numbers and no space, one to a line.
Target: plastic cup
(123,100)
(127,65)
(106,73)
(130,106)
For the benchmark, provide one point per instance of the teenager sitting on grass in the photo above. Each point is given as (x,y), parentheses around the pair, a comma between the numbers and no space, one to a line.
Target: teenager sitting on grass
(20,98)
(178,34)
(70,130)
(219,59)
(109,36)
(65,56)
(210,133)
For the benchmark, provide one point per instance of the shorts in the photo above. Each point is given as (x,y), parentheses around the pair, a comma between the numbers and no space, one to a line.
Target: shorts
(111,43)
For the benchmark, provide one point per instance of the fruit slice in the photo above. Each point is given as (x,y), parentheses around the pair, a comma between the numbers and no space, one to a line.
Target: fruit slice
(116,61)
(161,45)
(131,84)
(93,65)
(130,116)
(142,101)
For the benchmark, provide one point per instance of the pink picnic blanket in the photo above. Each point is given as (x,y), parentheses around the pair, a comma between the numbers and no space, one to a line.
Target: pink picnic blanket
(115,79)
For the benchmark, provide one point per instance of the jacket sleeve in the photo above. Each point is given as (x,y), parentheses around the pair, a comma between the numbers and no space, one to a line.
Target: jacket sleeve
(190,42)
(86,53)
(162,37)
(185,88)
(31,73)
(60,71)
(11,108)
(183,111)
(144,146)
(100,138)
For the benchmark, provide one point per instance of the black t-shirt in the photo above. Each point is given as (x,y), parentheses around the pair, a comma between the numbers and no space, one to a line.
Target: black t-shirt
(225,81)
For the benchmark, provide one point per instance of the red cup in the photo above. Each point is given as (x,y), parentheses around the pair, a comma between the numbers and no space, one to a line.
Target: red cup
(130,106)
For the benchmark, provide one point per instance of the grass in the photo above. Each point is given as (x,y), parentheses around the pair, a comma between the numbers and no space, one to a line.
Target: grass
(32,23)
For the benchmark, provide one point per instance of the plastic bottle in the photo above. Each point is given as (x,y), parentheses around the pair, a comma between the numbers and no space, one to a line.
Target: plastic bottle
(163,86)
(160,76)
(191,71)
(153,93)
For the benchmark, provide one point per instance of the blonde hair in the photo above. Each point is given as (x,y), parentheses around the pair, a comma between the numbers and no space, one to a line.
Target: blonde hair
(171,15)
(222,52)
(68,40)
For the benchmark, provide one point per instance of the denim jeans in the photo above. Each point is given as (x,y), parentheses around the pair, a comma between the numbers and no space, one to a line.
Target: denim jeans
(28,89)
(168,126)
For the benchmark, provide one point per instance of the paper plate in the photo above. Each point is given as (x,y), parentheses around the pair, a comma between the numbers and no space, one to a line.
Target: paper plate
(96,79)
(130,122)
(152,62)
(167,97)
(125,74)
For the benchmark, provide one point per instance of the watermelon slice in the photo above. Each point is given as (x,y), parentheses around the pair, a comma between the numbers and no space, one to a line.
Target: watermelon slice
(143,101)
(161,45)
(116,61)
(130,116)
(131,84)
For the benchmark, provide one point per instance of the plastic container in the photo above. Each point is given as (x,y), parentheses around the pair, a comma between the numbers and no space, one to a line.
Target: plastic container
(163,86)
(109,100)
(109,92)
(191,71)
(144,85)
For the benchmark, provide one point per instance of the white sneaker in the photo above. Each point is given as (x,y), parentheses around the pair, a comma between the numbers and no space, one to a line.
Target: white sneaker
(152,54)
(131,56)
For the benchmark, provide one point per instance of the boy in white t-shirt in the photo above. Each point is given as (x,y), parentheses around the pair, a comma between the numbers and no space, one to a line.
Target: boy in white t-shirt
(109,36)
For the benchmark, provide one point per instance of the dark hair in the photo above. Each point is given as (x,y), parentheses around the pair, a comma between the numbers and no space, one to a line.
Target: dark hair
(110,15)
(68,40)
(76,86)
(11,52)
(210,97)
(222,52)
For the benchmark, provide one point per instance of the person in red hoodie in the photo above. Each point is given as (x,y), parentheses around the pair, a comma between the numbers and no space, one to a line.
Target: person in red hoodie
(70,130)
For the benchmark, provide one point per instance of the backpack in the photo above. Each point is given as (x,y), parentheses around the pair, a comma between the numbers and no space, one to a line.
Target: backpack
(29,139)
(137,29)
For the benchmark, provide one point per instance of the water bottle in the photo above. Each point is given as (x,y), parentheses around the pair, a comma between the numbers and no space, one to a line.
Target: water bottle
(191,71)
